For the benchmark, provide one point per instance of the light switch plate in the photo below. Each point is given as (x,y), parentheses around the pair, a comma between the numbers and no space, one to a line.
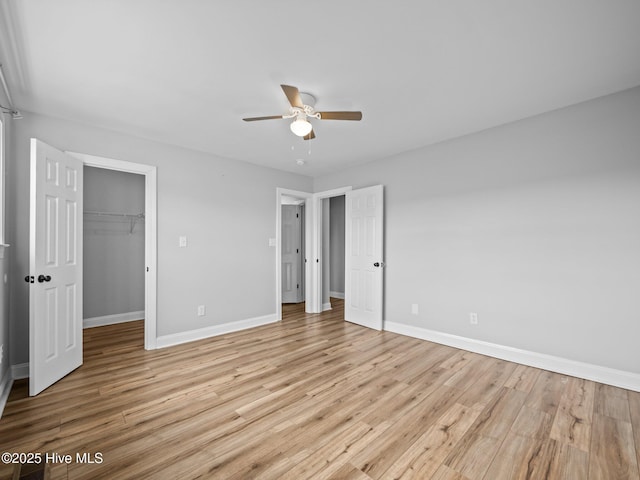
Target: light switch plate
(182,241)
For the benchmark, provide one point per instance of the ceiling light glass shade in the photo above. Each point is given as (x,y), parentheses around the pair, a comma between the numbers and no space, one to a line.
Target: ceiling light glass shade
(301,127)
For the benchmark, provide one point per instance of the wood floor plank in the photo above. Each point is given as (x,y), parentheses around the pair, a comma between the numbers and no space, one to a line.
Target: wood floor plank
(523,378)
(612,454)
(612,402)
(634,408)
(430,450)
(313,396)
(547,392)
(572,423)
(521,458)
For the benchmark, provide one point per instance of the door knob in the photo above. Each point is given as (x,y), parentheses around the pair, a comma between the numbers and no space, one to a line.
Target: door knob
(44,278)
(378,264)
(28,279)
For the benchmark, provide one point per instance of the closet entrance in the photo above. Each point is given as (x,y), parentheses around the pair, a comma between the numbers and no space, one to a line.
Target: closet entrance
(114,247)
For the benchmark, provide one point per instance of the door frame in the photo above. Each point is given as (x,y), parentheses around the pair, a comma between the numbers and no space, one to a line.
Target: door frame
(317,229)
(313,245)
(150,233)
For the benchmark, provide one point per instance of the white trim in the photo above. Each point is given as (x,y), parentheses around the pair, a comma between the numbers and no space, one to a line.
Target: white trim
(112,319)
(336,295)
(588,371)
(326,306)
(5,389)
(150,234)
(214,330)
(20,371)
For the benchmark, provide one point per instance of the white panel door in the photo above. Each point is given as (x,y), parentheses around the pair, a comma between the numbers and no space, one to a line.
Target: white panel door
(55,266)
(364,264)
(291,254)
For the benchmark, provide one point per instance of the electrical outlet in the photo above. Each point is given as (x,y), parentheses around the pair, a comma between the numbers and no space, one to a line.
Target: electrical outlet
(414,309)
(201,310)
(182,241)
(473,318)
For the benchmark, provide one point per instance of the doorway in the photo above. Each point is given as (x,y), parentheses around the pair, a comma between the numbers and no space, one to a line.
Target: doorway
(149,172)
(315,286)
(364,250)
(113,247)
(56,259)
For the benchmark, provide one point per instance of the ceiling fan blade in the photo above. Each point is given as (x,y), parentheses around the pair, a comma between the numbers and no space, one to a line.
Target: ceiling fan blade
(293,95)
(253,119)
(340,115)
(310,135)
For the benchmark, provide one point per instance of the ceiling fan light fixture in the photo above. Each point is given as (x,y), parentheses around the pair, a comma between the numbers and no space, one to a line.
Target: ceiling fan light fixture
(301,127)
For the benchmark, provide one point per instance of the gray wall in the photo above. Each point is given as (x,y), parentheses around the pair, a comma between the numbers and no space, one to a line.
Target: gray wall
(534,225)
(337,244)
(113,268)
(226,208)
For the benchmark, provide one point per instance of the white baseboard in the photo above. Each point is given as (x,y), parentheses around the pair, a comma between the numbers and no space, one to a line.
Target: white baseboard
(5,389)
(326,306)
(20,371)
(214,330)
(112,319)
(337,295)
(610,376)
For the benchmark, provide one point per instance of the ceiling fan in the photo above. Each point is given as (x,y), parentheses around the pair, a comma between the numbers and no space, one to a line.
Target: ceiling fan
(302,109)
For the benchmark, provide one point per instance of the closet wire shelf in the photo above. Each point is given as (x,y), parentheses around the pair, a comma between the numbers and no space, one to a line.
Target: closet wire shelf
(131,218)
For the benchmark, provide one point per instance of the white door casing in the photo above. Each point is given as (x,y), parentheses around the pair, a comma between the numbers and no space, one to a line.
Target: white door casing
(150,233)
(291,253)
(315,223)
(364,234)
(55,266)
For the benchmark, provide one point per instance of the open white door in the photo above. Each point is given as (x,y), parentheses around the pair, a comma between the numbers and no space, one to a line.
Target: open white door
(364,264)
(55,266)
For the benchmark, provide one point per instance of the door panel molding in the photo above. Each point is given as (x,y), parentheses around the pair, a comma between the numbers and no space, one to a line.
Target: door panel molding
(55,330)
(364,256)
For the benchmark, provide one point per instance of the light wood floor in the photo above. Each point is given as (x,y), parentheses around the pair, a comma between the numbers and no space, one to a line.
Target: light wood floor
(317,397)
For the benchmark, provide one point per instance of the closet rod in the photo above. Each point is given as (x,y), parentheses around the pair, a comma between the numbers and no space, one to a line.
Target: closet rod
(114,214)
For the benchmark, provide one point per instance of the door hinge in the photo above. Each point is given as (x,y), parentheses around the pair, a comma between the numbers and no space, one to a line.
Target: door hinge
(297,285)
(297,251)
(297,216)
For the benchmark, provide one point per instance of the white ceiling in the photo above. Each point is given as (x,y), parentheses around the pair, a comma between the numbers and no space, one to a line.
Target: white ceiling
(185,72)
